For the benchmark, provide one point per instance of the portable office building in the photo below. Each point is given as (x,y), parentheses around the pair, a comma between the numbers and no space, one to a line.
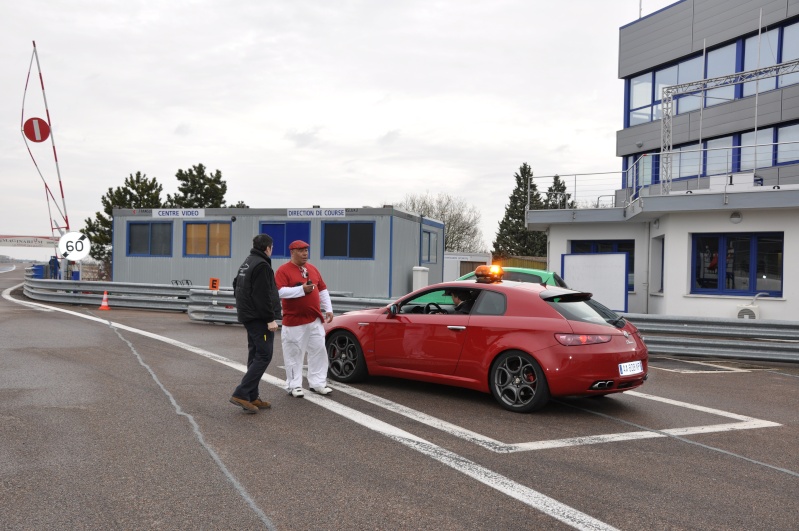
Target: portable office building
(366,252)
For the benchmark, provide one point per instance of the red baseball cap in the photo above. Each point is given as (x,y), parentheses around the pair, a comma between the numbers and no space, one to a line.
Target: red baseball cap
(298,244)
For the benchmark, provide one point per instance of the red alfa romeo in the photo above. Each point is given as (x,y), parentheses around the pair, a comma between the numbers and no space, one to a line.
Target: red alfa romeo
(522,342)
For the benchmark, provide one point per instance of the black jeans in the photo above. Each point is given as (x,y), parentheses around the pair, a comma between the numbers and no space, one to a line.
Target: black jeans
(260,343)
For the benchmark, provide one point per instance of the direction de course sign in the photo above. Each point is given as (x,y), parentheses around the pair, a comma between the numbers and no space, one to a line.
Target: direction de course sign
(74,246)
(36,129)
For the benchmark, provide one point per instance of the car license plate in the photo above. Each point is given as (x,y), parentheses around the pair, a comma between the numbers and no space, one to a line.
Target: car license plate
(632,367)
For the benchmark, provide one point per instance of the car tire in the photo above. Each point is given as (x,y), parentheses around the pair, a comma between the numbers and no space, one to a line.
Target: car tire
(345,358)
(518,383)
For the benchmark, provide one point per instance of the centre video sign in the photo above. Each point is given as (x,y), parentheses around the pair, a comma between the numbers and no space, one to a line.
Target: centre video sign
(162,213)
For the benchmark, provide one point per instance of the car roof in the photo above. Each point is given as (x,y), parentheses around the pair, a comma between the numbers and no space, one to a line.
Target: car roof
(504,285)
(539,272)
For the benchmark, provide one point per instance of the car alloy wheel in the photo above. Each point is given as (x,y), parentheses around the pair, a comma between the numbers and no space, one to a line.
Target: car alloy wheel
(518,383)
(345,357)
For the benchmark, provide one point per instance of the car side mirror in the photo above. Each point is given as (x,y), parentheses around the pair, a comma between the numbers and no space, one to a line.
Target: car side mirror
(393,310)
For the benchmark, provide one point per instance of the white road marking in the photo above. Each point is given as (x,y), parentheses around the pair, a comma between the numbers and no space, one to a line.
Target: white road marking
(676,436)
(746,423)
(526,495)
(773,371)
(721,368)
(31,305)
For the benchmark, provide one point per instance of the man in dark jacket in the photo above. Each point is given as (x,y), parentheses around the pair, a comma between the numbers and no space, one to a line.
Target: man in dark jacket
(258,308)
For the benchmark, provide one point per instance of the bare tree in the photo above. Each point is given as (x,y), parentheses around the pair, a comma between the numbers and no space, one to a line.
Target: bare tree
(461,220)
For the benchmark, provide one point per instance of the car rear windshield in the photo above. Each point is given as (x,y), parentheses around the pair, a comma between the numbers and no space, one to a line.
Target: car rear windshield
(581,307)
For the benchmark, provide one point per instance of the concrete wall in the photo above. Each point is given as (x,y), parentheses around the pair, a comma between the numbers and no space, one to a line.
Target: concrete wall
(678,230)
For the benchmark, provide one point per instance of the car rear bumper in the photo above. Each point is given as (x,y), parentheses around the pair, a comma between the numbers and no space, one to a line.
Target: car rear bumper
(594,374)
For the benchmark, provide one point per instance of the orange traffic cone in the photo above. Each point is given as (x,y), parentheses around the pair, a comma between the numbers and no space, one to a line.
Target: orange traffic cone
(104,305)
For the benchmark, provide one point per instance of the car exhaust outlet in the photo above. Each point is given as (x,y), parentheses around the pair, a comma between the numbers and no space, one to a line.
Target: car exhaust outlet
(602,384)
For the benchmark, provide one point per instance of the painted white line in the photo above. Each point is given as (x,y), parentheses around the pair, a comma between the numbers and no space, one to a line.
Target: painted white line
(31,305)
(746,423)
(526,495)
(686,405)
(722,368)
(697,371)
(640,435)
(423,418)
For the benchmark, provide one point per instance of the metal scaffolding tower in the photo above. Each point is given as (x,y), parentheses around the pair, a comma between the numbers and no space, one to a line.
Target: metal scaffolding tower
(703,86)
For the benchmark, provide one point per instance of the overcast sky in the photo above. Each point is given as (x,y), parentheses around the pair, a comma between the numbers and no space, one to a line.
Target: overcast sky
(338,103)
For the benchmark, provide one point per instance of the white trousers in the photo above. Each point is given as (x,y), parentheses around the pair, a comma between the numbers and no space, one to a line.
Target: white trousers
(297,340)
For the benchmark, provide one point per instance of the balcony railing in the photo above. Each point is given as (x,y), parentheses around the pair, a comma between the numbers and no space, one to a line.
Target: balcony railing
(693,169)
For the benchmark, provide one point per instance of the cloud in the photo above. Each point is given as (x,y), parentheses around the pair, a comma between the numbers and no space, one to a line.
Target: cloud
(304,139)
(389,138)
(361,102)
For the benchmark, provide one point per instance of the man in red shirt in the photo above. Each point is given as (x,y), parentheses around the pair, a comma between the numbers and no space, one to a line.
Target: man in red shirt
(303,296)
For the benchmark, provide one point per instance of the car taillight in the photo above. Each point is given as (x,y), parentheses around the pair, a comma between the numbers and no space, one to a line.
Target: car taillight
(571,340)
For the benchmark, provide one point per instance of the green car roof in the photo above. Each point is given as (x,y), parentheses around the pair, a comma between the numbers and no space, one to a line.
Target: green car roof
(525,274)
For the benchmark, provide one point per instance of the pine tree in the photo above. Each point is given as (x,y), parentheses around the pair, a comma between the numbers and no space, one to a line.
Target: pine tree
(198,190)
(137,192)
(557,196)
(513,238)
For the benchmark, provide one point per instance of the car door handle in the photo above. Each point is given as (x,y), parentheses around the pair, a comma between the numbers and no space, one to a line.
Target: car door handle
(456,328)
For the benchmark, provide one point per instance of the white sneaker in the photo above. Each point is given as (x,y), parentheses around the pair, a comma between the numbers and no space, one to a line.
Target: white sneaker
(324,390)
(297,392)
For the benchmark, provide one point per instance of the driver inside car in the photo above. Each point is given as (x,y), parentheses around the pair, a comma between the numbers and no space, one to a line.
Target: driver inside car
(462,301)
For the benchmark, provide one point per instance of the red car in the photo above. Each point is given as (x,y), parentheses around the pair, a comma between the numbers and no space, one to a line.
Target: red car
(521,342)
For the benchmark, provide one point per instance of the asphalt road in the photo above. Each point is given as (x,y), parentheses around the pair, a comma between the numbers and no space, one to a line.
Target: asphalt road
(120,420)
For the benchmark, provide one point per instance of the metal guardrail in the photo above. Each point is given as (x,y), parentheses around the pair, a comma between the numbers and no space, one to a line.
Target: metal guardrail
(219,306)
(120,294)
(764,340)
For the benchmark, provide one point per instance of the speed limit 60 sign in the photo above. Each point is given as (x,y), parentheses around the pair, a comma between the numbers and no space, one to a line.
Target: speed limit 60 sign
(74,246)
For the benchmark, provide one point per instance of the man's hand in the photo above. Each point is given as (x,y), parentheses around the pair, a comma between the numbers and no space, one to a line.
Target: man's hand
(308,287)
(271,326)
(328,317)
